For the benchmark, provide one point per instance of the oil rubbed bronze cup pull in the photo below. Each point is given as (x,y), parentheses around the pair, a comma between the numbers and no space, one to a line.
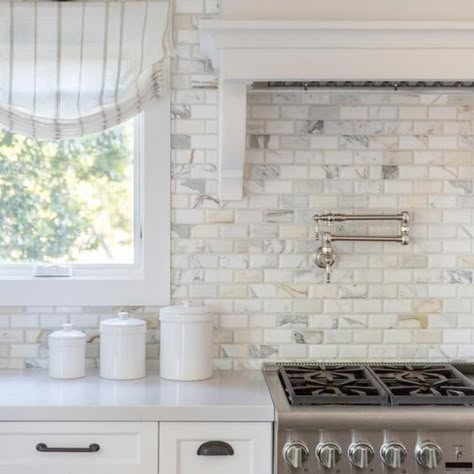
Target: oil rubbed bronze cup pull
(43,448)
(215,448)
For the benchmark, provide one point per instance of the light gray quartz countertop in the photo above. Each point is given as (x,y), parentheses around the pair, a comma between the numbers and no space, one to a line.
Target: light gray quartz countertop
(31,395)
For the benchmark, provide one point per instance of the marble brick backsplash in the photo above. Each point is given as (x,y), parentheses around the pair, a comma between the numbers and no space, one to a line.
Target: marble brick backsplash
(251,261)
(313,152)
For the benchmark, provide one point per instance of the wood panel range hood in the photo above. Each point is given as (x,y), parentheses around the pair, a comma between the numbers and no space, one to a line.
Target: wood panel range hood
(301,40)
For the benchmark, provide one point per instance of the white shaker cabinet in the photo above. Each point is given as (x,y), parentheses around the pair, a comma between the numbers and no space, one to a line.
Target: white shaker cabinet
(215,448)
(78,448)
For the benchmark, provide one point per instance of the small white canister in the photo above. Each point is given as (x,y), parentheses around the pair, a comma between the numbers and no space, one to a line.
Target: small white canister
(123,348)
(67,353)
(186,343)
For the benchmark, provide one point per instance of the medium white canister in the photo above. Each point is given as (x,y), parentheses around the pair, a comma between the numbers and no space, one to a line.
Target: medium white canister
(123,348)
(67,353)
(186,342)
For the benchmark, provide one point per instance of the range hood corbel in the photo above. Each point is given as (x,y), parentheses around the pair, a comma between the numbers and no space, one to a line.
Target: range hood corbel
(248,51)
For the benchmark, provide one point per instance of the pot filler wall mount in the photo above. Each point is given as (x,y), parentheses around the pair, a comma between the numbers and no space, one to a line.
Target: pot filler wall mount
(325,255)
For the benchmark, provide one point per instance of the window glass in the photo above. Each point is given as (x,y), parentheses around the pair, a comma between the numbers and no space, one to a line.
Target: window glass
(70,201)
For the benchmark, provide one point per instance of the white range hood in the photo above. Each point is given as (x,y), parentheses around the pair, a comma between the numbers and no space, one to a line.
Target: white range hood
(427,42)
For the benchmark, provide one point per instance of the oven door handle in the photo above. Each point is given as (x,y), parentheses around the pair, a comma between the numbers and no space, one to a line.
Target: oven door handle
(215,448)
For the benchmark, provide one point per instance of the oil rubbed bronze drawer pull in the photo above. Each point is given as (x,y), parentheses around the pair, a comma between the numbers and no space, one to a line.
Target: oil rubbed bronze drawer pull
(43,448)
(215,448)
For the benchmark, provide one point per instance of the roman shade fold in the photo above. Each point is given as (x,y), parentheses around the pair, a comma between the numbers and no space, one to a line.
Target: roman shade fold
(69,69)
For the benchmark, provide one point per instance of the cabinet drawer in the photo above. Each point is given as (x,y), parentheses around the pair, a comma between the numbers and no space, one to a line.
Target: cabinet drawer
(124,448)
(242,448)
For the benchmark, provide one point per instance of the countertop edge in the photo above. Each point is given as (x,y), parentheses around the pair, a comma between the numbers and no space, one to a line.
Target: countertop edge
(231,396)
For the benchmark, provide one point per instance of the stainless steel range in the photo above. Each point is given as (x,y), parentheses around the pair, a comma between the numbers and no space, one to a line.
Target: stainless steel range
(372,418)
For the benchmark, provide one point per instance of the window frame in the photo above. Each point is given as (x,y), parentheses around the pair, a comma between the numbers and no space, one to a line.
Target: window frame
(144,283)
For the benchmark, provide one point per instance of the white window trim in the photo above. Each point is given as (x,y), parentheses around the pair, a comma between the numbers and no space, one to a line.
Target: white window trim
(149,285)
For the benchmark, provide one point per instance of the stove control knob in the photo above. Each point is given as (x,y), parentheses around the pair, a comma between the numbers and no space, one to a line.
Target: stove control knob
(295,454)
(428,455)
(393,455)
(328,454)
(361,454)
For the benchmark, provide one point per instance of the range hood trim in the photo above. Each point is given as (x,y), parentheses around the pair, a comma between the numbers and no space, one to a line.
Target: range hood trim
(250,51)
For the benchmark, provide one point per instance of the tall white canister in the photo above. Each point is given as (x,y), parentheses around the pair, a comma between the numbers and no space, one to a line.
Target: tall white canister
(186,342)
(67,353)
(123,348)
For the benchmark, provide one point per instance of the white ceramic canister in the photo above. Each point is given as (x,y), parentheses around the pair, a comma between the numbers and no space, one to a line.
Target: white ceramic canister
(186,342)
(67,353)
(123,348)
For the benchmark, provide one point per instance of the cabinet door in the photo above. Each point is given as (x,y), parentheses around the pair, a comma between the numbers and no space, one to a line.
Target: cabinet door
(78,448)
(215,448)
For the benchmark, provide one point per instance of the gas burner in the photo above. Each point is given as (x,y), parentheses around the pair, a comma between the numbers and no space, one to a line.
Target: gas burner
(425,384)
(362,384)
(322,384)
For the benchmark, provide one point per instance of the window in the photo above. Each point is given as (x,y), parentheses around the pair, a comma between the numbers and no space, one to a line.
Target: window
(86,221)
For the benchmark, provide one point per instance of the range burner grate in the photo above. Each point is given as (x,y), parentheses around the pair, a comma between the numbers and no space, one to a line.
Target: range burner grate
(425,385)
(375,384)
(327,384)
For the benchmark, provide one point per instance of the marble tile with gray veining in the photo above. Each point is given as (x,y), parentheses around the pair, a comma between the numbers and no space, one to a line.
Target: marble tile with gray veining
(331,171)
(181,231)
(389,172)
(278,215)
(262,351)
(180,142)
(204,81)
(299,321)
(466,142)
(459,276)
(277,246)
(180,111)
(295,291)
(307,336)
(262,172)
(461,185)
(349,142)
(309,127)
(259,141)
(189,276)
(194,185)
(353,291)
(353,321)
(181,171)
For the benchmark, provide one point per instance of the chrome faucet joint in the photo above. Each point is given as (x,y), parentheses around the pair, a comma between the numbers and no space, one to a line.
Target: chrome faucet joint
(325,256)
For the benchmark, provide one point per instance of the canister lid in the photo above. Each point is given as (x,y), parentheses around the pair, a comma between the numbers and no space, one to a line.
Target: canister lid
(186,313)
(123,321)
(67,334)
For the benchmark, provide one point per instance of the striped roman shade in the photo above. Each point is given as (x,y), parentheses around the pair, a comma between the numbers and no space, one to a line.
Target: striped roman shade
(69,69)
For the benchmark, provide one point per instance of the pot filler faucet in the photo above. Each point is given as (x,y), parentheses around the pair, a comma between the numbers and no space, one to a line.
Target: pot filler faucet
(325,256)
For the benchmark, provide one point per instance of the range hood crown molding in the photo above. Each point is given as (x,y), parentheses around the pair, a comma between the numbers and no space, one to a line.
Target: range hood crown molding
(247,51)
